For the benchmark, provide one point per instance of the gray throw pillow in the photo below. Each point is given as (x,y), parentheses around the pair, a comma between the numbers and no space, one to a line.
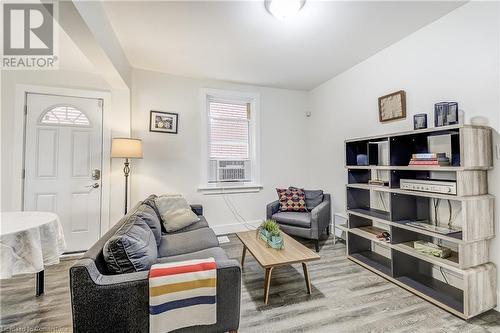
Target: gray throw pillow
(148,215)
(175,212)
(132,248)
(313,198)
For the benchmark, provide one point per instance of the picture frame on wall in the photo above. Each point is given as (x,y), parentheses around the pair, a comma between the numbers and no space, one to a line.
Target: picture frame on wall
(392,106)
(420,121)
(163,122)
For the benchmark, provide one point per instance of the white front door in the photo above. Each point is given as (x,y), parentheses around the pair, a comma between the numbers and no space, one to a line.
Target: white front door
(63,155)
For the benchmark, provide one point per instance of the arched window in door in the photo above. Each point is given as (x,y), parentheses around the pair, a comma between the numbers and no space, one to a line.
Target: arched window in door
(64,115)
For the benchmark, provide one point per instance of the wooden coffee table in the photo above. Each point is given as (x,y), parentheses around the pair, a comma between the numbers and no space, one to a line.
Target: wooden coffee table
(268,258)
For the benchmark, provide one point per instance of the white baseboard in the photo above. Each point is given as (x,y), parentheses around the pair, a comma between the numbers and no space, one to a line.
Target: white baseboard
(235,227)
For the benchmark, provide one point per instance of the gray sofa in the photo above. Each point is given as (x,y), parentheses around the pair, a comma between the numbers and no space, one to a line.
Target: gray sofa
(310,224)
(103,301)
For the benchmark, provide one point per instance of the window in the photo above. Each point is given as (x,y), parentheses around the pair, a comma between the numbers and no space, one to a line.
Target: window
(231,145)
(64,115)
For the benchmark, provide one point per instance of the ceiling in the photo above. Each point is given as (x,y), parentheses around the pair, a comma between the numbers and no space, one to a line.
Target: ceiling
(240,41)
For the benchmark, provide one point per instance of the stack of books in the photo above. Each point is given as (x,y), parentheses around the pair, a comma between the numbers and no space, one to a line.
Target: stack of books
(430,159)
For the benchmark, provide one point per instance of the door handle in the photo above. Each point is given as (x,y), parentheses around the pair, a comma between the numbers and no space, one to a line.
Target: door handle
(95,185)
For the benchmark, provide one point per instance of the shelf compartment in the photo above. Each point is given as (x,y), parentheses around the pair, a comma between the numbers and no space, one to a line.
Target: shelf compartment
(363,249)
(371,212)
(407,227)
(418,275)
(374,260)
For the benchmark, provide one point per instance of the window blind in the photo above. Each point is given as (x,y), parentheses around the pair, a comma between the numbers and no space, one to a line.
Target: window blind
(229,123)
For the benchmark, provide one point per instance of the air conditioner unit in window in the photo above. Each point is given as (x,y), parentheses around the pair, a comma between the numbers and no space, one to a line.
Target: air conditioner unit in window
(233,170)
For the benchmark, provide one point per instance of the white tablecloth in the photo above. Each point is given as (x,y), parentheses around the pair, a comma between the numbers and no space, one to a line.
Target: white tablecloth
(28,242)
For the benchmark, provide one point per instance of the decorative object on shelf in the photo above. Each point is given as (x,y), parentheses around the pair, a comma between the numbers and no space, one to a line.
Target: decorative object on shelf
(384,236)
(440,111)
(420,121)
(479,121)
(452,115)
(445,113)
(430,159)
(163,122)
(392,106)
(432,249)
(269,232)
(361,159)
(378,182)
(126,148)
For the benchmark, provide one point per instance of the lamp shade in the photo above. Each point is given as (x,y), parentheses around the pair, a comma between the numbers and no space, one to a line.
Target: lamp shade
(126,147)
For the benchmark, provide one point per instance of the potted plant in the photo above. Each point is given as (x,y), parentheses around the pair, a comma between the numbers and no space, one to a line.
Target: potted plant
(269,232)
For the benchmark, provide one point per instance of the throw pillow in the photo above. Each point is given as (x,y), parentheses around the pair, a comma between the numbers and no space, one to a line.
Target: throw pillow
(150,201)
(175,212)
(132,248)
(148,215)
(313,198)
(291,199)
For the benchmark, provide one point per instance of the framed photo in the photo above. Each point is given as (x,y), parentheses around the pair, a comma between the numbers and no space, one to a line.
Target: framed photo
(392,106)
(163,122)
(452,115)
(420,121)
(440,113)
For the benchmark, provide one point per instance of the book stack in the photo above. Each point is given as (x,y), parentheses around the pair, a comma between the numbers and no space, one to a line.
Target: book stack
(439,159)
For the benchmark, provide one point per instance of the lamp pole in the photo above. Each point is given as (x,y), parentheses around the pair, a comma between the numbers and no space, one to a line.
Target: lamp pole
(126,171)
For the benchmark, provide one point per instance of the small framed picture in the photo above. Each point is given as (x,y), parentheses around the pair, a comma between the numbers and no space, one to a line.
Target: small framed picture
(440,113)
(392,106)
(163,122)
(420,121)
(452,115)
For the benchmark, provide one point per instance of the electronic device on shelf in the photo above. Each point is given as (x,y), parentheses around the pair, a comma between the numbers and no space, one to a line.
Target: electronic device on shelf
(425,225)
(424,185)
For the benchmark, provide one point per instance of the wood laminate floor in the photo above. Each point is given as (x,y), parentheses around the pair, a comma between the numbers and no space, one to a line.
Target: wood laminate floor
(345,298)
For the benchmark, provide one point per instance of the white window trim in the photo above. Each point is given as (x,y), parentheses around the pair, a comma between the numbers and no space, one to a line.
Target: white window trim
(255,124)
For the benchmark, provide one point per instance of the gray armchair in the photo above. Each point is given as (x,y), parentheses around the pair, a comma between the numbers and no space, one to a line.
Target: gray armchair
(310,224)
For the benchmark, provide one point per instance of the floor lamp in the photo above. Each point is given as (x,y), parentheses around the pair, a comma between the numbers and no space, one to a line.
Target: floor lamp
(126,148)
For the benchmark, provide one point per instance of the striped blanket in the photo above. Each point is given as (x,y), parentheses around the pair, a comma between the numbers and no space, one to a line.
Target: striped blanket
(182,294)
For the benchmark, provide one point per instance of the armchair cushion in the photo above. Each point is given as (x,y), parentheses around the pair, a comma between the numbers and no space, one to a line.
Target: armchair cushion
(298,219)
(291,199)
(313,198)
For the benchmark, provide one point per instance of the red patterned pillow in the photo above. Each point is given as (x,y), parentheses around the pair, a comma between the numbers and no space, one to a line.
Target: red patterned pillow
(291,199)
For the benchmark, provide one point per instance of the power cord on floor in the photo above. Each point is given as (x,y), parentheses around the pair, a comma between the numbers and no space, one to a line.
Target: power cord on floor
(239,218)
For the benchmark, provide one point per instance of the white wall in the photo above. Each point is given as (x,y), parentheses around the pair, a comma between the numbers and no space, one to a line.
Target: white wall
(455,58)
(67,79)
(172,162)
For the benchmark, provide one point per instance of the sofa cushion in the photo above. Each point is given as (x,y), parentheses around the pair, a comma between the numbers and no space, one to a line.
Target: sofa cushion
(185,242)
(202,223)
(150,201)
(148,215)
(215,252)
(298,219)
(132,248)
(313,198)
(291,199)
(175,212)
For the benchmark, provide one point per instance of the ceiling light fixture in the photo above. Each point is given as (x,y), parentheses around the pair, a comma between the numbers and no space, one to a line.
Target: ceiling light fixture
(284,9)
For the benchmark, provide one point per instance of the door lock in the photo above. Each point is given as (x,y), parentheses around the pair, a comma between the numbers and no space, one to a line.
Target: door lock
(96,174)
